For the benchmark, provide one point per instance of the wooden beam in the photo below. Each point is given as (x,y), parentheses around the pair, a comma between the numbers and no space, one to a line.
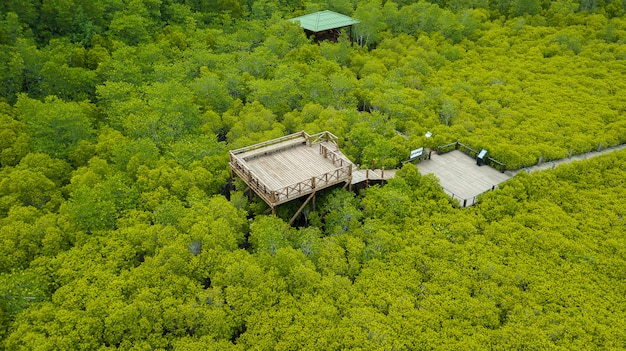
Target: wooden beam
(312,196)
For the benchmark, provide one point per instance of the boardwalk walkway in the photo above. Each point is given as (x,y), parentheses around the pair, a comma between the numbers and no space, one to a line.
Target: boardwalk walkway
(362,175)
(552,164)
(460,176)
(462,179)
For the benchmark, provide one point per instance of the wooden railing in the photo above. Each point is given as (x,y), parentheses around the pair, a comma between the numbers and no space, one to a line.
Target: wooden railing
(496,164)
(253,181)
(471,153)
(334,157)
(446,148)
(308,186)
(469,201)
(289,137)
(321,137)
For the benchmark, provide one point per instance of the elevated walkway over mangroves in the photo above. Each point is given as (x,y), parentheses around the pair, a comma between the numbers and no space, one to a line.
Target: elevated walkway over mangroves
(298,165)
(462,179)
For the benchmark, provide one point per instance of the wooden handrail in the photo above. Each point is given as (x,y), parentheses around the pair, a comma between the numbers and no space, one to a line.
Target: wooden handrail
(293,136)
(335,156)
(308,185)
(321,137)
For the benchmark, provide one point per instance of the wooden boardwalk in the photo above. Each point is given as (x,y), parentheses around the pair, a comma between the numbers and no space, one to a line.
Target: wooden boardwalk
(284,169)
(290,166)
(461,177)
(552,164)
(362,175)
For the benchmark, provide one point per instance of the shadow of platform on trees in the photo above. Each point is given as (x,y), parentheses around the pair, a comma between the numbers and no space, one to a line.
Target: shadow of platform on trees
(460,176)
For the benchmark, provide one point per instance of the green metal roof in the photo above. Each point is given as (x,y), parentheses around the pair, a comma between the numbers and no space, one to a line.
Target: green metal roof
(324,20)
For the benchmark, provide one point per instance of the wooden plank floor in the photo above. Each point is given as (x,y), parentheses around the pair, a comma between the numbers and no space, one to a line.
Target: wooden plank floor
(290,166)
(362,175)
(459,174)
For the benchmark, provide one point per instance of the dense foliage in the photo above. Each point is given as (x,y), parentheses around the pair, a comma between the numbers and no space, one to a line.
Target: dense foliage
(118,229)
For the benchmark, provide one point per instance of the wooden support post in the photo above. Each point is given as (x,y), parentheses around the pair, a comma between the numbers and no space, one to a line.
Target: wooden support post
(250,193)
(301,208)
(273,210)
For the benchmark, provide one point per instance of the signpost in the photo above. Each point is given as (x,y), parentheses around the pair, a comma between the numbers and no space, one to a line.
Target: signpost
(417,153)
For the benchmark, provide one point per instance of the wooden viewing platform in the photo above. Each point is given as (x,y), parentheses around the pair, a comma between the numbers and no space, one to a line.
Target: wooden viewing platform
(287,168)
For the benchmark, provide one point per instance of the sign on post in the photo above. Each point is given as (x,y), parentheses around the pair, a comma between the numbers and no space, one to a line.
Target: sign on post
(416,153)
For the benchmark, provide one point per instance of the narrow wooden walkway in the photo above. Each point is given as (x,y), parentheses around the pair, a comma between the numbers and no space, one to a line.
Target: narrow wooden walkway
(552,164)
(362,175)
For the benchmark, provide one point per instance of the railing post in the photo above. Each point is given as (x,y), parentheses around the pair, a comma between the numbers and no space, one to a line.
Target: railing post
(313,182)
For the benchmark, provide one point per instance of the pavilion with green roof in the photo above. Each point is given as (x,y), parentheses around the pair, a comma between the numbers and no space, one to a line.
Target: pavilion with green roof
(325,25)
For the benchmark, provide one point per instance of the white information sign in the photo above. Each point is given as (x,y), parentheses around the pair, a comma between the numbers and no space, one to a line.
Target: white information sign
(416,153)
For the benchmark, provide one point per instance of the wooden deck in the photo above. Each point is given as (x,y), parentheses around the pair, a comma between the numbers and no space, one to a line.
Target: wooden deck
(287,168)
(460,177)
(362,175)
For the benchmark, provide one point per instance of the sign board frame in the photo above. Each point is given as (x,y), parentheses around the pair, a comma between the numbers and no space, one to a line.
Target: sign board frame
(416,153)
